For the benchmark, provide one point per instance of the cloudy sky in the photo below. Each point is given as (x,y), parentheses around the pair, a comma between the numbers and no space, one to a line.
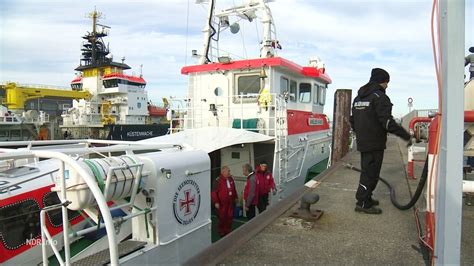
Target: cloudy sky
(40,41)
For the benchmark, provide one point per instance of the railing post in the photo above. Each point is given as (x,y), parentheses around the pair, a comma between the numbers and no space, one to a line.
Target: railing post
(44,240)
(241,111)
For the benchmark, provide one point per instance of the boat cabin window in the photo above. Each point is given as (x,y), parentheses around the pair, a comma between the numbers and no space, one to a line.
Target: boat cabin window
(293,88)
(77,86)
(322,95)
(111,83)
(55,217)
(218,91)
(316,94)
(20,222)
(284,84)
(305,93)
(248,87)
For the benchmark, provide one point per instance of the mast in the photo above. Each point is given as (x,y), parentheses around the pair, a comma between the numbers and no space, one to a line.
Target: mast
(268,43)
(94,52)
(248,12)
(94,15)
(208,32)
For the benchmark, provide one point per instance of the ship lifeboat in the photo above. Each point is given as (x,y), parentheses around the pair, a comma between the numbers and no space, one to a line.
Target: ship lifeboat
(156,111)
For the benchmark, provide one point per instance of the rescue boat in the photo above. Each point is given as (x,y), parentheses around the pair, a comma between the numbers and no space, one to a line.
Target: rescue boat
(279,100)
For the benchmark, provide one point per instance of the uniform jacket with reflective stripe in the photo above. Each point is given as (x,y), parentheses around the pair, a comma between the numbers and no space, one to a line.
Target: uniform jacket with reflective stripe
(372,119)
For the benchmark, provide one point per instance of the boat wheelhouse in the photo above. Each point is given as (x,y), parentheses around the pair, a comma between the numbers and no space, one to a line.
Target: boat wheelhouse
(117,80)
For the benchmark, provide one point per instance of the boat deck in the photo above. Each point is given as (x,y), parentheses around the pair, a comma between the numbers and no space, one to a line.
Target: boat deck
(342,236)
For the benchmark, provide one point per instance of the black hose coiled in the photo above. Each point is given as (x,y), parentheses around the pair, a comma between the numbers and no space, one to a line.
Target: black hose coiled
(393,198)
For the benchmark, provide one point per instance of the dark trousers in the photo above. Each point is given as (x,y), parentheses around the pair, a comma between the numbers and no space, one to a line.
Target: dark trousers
(262,203)
(251,212)
(371,163)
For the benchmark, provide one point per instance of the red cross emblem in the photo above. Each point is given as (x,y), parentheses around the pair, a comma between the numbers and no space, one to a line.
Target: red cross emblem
(187,202)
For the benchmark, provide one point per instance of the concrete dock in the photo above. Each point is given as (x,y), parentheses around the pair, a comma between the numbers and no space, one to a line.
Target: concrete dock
(342,236)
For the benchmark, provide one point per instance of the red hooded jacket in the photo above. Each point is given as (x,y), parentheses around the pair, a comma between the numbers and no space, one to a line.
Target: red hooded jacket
(265,181)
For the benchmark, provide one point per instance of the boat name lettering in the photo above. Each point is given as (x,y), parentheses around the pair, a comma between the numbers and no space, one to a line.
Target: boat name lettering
(315,121)
(139,133)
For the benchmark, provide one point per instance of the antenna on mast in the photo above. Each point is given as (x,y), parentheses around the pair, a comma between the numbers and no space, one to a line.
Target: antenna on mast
(248,11)
(209,31)
(95,15)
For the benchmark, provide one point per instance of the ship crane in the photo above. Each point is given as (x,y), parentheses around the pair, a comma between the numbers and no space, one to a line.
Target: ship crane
(17,95)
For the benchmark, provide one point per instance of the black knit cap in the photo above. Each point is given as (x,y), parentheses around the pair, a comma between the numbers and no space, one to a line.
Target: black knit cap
(379,75)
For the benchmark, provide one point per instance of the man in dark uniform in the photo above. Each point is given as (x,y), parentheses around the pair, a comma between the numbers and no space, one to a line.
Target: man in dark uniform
(371,120)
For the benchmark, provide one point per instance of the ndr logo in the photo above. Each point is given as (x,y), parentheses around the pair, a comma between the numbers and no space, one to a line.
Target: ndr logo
(39,241)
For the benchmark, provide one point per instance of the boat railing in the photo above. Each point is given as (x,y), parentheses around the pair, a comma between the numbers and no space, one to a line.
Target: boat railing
(99,197)
(17,119)
(249,112)
(84,119)
(9,119)
(66,155)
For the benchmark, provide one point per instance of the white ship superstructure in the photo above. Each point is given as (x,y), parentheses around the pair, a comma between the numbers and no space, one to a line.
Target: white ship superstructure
(118,99)
(268,95)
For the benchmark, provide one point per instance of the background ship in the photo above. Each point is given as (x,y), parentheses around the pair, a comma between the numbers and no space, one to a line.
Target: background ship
(118,107)
(103,102)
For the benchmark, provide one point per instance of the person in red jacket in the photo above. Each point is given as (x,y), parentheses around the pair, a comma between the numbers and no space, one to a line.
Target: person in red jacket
(224,196)
(250,191)
(266,184)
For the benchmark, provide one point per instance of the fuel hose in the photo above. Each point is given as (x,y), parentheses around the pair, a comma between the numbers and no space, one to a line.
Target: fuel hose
(393,197)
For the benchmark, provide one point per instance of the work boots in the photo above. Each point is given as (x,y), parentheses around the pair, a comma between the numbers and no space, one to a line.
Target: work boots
(368,207)
(371,210)
(374,202)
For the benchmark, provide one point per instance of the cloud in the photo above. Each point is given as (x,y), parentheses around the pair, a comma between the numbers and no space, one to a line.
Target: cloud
(40,41)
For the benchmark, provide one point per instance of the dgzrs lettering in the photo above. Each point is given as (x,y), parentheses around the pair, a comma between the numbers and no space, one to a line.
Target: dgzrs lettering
(361,104)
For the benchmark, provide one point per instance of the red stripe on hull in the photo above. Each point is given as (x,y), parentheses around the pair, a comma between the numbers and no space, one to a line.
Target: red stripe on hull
(306,122)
